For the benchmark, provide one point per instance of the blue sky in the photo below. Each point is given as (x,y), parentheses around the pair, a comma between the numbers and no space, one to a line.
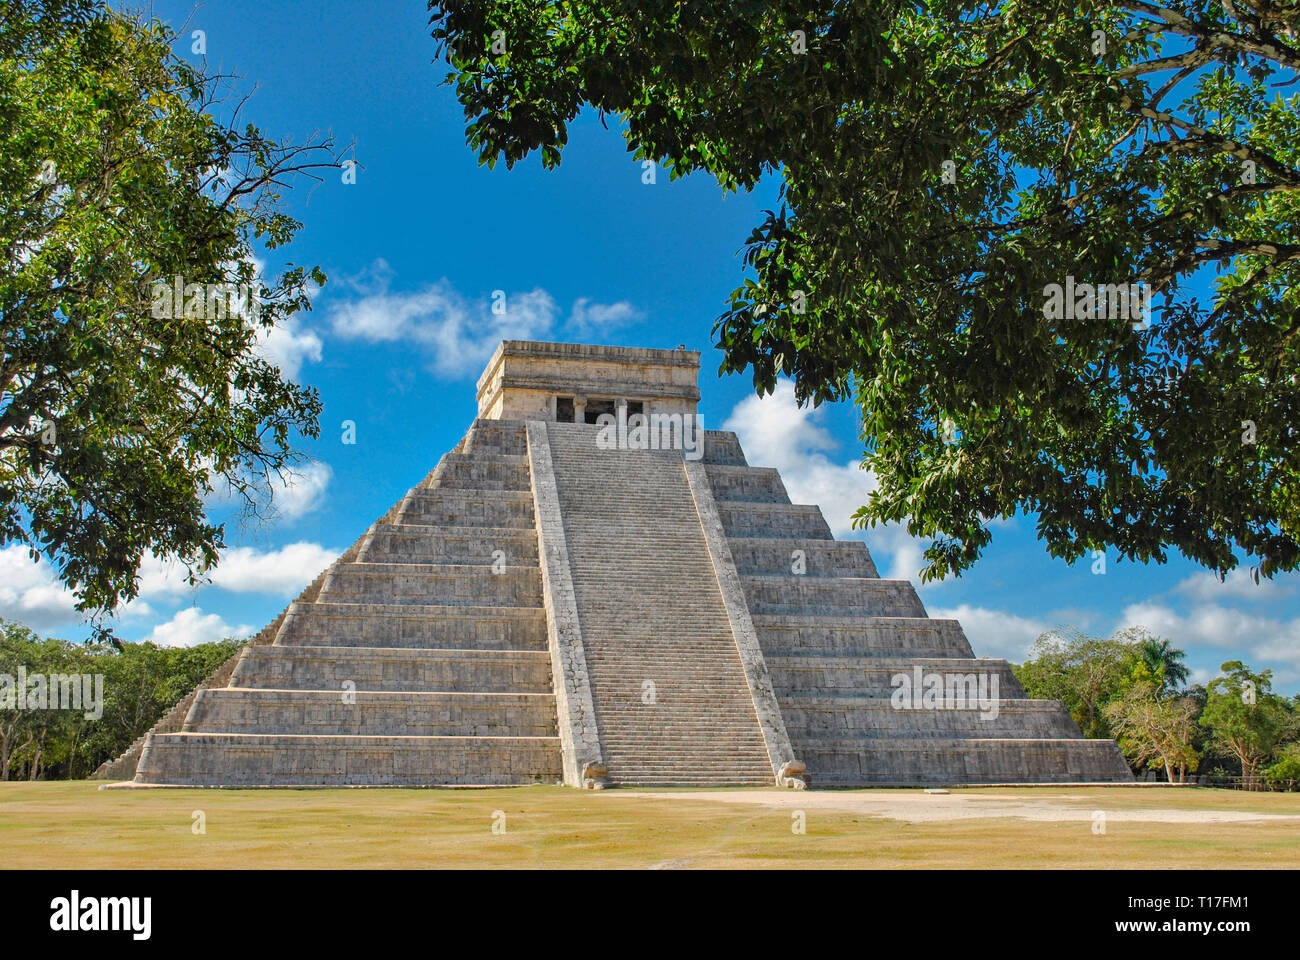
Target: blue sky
(585,253)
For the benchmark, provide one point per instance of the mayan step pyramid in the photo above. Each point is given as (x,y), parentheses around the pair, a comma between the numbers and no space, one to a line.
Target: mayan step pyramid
(592,589)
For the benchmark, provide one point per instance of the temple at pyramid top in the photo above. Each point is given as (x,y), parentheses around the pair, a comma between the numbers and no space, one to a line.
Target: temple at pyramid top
(577,382)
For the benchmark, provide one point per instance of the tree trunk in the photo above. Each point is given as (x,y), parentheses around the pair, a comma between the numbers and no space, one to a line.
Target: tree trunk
(1245,768)
(72,755)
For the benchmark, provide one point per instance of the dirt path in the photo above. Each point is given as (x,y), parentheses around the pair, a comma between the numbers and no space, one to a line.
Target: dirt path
(918,807)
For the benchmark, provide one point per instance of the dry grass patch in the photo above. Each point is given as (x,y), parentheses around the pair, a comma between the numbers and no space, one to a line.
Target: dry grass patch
(75,824)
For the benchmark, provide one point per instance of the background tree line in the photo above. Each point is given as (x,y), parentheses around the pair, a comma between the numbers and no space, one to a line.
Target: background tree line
(141,682)
(1132,687)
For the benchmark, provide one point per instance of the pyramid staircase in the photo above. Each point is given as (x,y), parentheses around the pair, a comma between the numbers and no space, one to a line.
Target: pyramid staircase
(671,700)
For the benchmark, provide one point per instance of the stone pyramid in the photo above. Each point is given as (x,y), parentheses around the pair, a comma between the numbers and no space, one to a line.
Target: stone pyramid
(591,589)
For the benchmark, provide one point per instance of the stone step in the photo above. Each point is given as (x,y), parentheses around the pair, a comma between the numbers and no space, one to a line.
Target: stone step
(686,680)
(637,771)
(484,508)
(674,746)
(413,625)
(753,484)
(662,578)
(496,436)
(481,471)
(432,543)
(681,751)
(686,776)
(669,643)
(670,760)
(878,676)
(666,652)
(723,447)
(799,520)
(677,673)
(442,584)
(681,778)
(389,669)
(809,635)
(679,719)
(931,760)
(681,742)
(831,596)
(682,727)
(696,629)
(328,713)
(705,770)
(786,555)
(677,714)
(668,699)
(810,716)
(250,760)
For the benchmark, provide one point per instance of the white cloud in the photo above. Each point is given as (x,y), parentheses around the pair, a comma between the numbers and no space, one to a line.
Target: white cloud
(31,592)
(1262,641)
(159,578)
(994,633)
(192,626)
(1205,587)
(296,490)
(460,332)
(280,572)
(776,432)
(1207,625)
(587,318)
(301,489)
(288,345)
(285,571)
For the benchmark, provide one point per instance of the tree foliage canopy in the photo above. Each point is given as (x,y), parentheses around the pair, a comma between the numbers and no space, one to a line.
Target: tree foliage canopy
(115,173)
(1155,730)
(141,682)
(1164,663)
(1245,718)
(1082,671)
(1121,687)
(941,165)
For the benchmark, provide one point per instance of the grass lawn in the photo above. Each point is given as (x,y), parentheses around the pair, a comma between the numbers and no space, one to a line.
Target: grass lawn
(75,824)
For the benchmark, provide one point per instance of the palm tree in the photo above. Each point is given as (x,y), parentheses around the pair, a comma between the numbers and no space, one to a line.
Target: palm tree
(1164,660)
